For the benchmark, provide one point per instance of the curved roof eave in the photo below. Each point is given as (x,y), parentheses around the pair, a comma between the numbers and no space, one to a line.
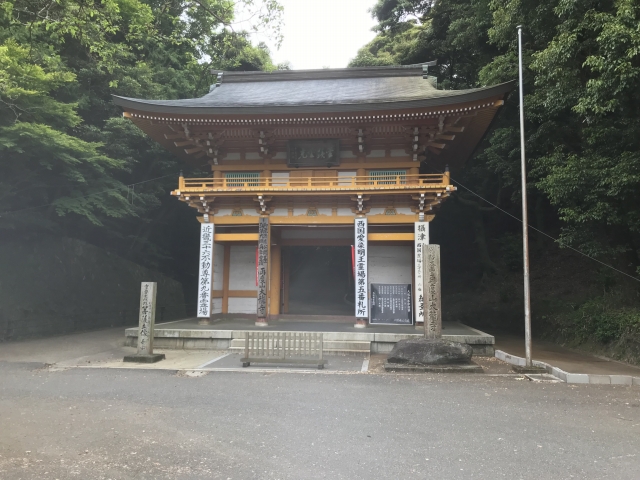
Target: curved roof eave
(186,107)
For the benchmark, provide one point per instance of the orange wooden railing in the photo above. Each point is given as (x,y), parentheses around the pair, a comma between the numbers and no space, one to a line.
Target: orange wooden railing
(314,183)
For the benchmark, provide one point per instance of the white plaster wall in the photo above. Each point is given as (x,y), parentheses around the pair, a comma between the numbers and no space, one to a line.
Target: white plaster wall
(346,154)
(279,178)
(280,156)
(223,211)
(252,156)
(404,211)
(399,153)
(345,212)
(242,268)
(299,211)
(376,211)
(390,264)
(232,156)
(280,212)
(376,154)
(243,305)
(324,211)
(216,305)
(218,266)
(317,233)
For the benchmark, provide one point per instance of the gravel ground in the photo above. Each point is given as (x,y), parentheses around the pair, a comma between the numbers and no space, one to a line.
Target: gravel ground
(150,424)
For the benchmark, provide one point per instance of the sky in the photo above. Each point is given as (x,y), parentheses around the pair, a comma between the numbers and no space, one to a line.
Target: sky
(322,33)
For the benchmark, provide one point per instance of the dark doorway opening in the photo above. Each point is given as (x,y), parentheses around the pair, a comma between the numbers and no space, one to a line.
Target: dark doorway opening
(320,281)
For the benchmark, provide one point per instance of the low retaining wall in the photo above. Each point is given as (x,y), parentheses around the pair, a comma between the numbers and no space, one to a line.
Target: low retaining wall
(570,377)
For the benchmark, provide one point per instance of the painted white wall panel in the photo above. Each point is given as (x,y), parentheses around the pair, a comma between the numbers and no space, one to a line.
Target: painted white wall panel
(404,211)
(216,305)
(324,211)
(232,156)
(376,154)
(223,211)
(242,268)
(299,211)
(252,156)
(243,305)
(345,212)
(279,179)
(376,211)
(346,154)
(390,264)
(280,212)
(399,153)
(218,266)
(280,156)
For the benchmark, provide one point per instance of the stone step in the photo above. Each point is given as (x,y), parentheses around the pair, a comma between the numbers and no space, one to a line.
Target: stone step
(328,345)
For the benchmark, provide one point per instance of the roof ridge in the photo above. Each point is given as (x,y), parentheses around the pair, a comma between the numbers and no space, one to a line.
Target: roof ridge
(321,74)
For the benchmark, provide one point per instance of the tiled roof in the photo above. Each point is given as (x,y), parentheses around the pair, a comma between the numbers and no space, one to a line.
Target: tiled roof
(327,90)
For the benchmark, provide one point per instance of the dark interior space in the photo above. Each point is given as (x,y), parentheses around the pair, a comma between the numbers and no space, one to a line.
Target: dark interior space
(320,280)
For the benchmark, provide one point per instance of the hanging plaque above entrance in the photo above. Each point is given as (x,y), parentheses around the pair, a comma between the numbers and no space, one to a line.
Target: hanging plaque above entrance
(314,153)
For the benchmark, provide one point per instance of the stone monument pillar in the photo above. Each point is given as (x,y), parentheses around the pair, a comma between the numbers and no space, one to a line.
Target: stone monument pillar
(146,326)
(432,302)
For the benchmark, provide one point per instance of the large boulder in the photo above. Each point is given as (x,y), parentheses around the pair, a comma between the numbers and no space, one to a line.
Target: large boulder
(423,351)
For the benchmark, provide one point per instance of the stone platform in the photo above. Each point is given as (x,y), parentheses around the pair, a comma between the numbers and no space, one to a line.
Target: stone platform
(229,334)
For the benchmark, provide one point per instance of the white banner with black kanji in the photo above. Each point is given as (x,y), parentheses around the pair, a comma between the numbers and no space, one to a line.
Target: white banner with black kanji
(205,276)
(361,277)
(421,237)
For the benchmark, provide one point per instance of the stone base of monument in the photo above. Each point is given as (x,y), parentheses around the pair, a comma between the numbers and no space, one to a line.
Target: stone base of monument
(151,358)
(431,355)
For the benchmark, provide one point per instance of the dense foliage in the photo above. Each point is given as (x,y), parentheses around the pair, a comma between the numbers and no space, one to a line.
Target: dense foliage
(68,161)
(582,104)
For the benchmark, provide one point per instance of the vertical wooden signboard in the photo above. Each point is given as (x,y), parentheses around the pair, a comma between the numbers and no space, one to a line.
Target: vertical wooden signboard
(205,274)
(421,237)
(432,304)
(361,280)
(263,267)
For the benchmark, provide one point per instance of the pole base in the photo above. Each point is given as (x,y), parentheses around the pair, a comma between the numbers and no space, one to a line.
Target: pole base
(204,321)
(262,322)
(361,323)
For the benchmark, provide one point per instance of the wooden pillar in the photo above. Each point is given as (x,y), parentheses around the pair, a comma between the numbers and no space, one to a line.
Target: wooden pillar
(225,278)
(274,285)
(264,240)
(362,275)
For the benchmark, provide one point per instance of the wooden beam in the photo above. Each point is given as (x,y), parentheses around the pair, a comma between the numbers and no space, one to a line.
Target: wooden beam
(243,293)
(390,237)
(235,237)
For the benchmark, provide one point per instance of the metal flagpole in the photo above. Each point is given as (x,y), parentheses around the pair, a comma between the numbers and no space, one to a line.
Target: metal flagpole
(525,221)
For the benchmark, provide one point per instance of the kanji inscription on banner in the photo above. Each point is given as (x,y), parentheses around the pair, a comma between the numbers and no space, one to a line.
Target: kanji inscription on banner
(361,278)
(432,301)
(263,265)
(205,275)
(421,237)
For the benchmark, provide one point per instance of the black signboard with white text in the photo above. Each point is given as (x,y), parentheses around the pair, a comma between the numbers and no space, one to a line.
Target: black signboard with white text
(391,304)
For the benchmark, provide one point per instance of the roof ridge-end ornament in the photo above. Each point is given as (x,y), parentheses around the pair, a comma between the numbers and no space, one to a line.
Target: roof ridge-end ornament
(425,73)
(218,81)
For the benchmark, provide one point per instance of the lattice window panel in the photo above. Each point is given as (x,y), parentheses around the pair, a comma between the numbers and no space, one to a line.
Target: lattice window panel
(387,177)
(238,179)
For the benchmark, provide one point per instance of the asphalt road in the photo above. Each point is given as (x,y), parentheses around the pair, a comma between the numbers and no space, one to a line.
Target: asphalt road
(150,424)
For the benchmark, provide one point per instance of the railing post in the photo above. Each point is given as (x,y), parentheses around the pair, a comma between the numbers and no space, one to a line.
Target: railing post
(181,182)
(446,179)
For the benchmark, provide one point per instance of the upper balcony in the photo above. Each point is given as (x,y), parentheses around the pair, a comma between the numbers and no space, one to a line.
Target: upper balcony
(399,184)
